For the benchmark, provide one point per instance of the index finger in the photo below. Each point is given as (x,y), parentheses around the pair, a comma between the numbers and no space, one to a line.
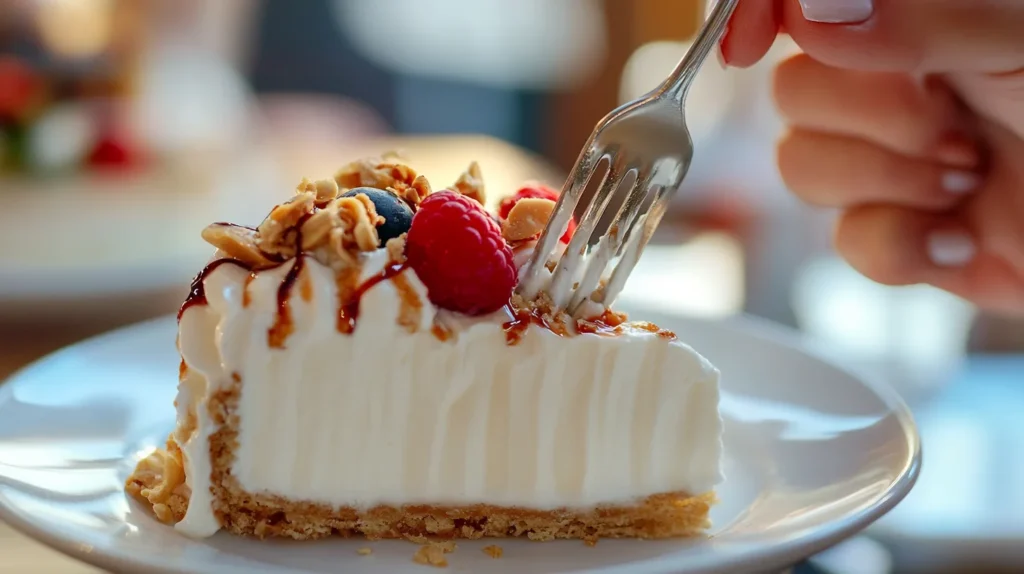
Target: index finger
(751,32)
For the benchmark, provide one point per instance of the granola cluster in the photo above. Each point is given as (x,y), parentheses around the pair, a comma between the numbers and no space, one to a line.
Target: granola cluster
(381,174)
(322,221)
(159,479)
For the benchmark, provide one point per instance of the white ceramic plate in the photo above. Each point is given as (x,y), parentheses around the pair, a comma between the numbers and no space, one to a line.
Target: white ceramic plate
(813,454)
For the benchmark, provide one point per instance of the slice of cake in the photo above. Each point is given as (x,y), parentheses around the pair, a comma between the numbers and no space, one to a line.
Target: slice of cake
(358,365)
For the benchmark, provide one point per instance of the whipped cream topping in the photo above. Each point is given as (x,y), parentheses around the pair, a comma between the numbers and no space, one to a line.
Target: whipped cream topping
(388,416)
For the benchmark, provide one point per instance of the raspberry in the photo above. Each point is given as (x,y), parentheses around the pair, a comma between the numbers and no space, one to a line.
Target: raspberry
(537,191)
(457,250)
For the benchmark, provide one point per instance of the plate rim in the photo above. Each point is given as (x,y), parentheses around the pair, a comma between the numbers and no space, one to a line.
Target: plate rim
(779,556)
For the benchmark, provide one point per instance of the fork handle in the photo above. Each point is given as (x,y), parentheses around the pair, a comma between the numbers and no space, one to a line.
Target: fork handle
(710,34)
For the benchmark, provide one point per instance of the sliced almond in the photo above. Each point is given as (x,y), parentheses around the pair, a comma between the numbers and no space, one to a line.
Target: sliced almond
(237,243)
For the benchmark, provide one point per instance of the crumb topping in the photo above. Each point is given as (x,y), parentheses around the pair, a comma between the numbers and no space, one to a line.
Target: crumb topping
(338,220)
(383,174)
(432,555)
(494,551)
(471,184)
(159,479)
(396,249)
(279,234)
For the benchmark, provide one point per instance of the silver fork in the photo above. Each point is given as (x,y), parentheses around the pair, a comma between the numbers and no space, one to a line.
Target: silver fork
(647,137)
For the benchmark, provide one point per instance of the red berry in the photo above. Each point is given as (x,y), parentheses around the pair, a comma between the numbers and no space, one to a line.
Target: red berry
(537,191)
(111,152)
(457,250)
(19,87)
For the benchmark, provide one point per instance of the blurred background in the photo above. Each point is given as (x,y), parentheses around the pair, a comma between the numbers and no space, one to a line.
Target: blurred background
(128,125)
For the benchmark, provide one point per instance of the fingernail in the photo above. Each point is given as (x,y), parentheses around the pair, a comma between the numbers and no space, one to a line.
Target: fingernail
(722,58)
(959,182)
(720,52)
(837,11)
(951,248)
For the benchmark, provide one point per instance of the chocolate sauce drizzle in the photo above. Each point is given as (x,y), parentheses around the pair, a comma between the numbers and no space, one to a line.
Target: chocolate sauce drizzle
(197,292)
(348,311)
(226,224)
(283,325)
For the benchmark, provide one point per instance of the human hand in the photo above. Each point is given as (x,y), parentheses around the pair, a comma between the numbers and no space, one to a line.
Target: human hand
(908,116)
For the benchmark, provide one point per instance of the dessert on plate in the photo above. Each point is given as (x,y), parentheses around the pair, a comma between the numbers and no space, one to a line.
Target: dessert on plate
(359,365)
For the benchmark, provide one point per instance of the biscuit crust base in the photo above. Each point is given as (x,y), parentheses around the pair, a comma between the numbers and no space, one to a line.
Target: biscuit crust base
(666,515)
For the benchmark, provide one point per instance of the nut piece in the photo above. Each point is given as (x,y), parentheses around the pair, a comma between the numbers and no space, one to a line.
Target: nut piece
(360,215)
(237,242)
(527,218)
(381,174)
(375,172)
(278,234)
(326,190)
(396,249)
(448,546)
(317,229)
(430,555)
(305,186)
(346,226)
(415,193)
(157,478)
(471,183)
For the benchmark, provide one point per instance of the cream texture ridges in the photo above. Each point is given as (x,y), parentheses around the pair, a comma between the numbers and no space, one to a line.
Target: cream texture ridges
(388,416)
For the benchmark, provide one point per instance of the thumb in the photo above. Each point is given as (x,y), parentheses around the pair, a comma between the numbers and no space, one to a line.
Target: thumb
(910,35)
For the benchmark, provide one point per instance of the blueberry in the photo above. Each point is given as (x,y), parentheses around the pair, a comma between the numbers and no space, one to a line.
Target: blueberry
(396,213)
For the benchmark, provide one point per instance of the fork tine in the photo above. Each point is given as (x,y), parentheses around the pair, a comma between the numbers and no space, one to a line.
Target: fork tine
(636,242)
(560,287)
(529,279)
(611,243)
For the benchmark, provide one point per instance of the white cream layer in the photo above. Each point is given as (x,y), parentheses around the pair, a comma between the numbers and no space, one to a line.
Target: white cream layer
(383,416)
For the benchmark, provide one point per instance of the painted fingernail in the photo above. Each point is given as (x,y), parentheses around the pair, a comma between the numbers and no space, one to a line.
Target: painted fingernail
(720,52)
(960,182)
(951,248)
(837,11)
